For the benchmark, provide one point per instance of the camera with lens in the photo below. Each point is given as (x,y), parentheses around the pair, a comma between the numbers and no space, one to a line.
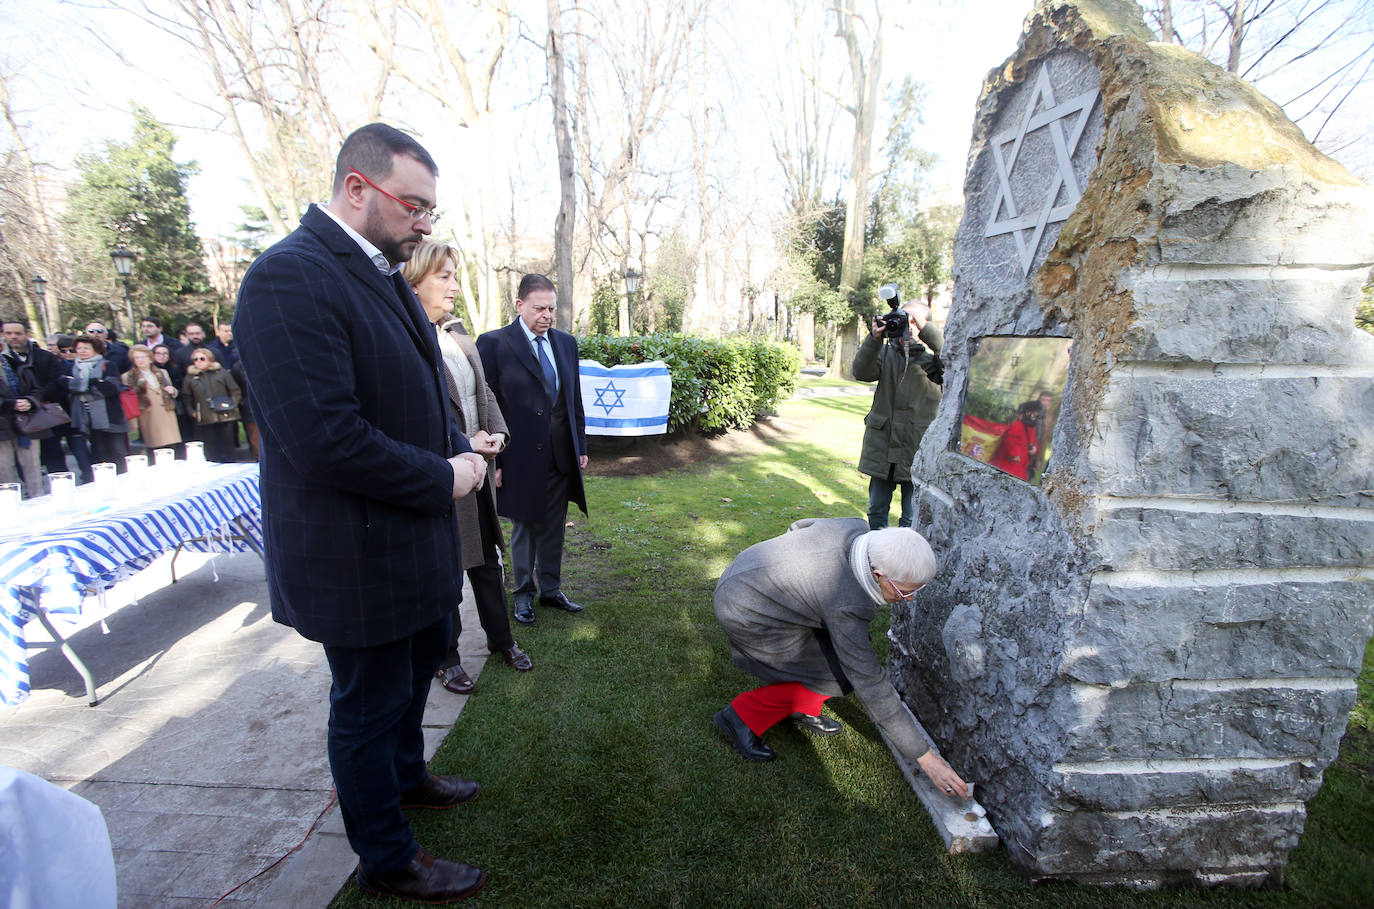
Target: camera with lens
(895,321)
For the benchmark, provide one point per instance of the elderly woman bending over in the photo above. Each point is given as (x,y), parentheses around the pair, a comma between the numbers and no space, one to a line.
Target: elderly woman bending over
(797,608)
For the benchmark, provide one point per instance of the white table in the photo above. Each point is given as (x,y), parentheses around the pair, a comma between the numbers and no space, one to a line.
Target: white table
(51,562)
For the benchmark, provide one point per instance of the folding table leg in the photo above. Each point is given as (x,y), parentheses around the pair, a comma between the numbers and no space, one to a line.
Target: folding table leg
(71,656)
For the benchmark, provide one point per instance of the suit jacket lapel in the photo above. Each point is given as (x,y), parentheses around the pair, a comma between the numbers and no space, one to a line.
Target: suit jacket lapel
(393,291)
(522,349)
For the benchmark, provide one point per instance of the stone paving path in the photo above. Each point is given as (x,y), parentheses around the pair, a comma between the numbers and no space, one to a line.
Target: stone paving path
(206,754)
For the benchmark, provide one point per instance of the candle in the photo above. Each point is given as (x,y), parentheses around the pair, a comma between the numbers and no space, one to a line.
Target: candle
(63,490)
(10,497)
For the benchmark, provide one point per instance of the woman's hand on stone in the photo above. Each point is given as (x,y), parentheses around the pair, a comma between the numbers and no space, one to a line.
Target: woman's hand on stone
(944,778)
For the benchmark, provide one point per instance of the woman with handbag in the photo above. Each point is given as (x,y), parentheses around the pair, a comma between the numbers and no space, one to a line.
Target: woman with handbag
(431,274)
(93,385)
(157,420)
(213,396)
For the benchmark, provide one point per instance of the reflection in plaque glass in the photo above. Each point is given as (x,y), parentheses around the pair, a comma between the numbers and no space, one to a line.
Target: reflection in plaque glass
(1015,387)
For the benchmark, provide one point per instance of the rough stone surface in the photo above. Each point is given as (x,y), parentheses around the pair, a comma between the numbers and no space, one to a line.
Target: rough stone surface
(1147,662)
(1163,784)
(1258,631)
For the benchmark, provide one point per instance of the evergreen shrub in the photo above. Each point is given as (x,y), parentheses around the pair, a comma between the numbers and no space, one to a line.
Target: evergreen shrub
(718,384)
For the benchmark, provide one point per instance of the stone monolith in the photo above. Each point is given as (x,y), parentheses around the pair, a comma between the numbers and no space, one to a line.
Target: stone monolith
(1147,662)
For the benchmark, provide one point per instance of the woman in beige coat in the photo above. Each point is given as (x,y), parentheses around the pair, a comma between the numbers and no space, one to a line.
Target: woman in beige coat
(157,418)
(431,273)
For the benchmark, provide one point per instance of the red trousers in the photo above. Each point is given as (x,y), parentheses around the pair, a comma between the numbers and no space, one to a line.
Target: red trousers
(763,707)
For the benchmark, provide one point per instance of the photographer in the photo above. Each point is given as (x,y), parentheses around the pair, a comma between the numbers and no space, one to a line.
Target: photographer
(901,353)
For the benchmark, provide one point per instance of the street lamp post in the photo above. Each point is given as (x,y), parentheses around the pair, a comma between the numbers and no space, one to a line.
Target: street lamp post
(124,267)
(40,288)
(632,278)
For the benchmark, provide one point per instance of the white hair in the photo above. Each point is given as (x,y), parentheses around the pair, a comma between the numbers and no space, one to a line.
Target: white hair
(902,554)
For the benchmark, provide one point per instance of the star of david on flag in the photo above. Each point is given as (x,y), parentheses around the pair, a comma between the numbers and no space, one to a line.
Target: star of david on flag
(1042,112)
(627,400)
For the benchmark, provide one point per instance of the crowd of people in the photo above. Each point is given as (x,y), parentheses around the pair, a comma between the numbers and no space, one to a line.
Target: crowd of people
(88,398)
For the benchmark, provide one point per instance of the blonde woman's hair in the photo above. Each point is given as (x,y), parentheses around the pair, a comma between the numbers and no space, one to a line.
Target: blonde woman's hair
(426,260)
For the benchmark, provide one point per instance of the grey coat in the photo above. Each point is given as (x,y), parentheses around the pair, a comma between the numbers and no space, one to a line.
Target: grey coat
(794,612)
(489,418)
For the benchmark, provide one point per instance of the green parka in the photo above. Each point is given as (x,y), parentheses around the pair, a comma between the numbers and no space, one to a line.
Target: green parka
(904,403)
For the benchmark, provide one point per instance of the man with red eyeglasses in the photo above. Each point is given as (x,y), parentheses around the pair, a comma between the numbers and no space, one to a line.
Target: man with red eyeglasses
(360,469)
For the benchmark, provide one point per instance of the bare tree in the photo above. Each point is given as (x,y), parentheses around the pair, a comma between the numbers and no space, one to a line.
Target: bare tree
(863,40)
(458,72)
(802,124)
(29,242)
(626,82)
(565,224)
(1314,57)
(272,93)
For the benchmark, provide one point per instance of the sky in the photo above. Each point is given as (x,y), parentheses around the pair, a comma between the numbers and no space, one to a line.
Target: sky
(73,92)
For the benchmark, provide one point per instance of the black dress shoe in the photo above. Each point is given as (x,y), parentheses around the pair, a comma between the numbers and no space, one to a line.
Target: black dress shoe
(817,725)
(426,879)
(524,609)
(516,658)
(559,601)
(749,746)
(456,679)
(440,792)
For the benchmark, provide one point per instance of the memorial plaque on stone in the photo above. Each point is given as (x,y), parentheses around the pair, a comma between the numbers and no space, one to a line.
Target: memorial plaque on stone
(1147,660)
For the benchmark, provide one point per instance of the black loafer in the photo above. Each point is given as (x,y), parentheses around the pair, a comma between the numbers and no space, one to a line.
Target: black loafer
(516,658)
(456,679)
(440,792)
(749,746)
(426,879)
(524,609)
(559,601)
(817,725)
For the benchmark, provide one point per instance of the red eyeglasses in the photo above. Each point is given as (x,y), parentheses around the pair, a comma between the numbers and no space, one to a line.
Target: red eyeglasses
(417,212)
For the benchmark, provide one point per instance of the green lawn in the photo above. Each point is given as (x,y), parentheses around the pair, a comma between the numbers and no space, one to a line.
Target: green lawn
(605,783)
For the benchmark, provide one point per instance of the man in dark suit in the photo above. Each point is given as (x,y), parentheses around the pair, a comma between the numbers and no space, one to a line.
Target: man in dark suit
(532,368)
(360,469)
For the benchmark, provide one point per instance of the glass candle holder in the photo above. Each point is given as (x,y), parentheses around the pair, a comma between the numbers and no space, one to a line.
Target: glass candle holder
(63,490)
(164,457)
(11,495)
(136,464)
(105,474)
(195,454)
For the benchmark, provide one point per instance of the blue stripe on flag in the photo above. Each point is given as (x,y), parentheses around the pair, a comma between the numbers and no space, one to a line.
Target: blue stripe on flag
(622,372)
(641,421)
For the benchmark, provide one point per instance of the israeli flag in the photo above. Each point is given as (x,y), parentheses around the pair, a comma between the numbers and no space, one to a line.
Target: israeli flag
(626,400)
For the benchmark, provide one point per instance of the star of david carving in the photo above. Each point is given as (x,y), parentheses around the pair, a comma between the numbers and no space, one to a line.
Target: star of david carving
(609,388)
(1043,112)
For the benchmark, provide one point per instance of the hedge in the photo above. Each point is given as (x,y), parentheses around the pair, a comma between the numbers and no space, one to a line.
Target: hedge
(717,384)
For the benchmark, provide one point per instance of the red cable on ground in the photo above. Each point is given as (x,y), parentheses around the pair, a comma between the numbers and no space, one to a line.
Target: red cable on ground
(334,797)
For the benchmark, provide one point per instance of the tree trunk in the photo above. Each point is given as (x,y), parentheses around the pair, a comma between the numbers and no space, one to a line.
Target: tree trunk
(806,336)
(565,222)
(866,76)
(1237,16)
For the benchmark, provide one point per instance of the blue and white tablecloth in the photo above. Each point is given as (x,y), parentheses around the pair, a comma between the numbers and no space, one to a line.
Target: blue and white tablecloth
(59,567)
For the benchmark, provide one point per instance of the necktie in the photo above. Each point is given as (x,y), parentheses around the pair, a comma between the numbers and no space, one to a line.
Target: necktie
(550,377)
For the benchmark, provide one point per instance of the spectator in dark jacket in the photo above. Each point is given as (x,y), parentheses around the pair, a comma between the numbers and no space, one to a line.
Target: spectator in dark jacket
(32,375)
(153,335)
(95,409)
(195,340)
(116,351)
(211,393)
(53,458)
(223,345)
